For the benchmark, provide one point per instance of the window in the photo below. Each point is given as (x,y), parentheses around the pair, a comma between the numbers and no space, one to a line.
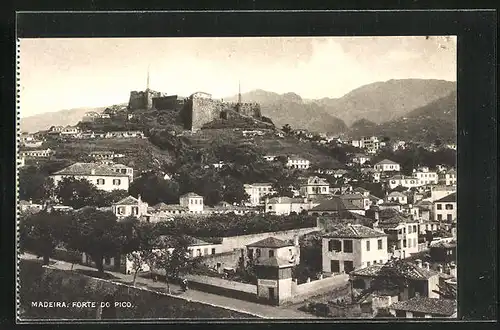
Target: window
(107,261)
(135,210)
(205,251)
(400,313)
(404,243)
(414,228)
(404,230)
(439,206)
(367,245)
(440,217)
(448,206)
(124,171)
(121,210)
(449,217)
(271,253)
(368,264)
(348,246)
(380,243)
(335,266)
(100,181)
(213,250)
(335,245)
(409,230)
(290,252)
(257,251)
(198,252)
(250,253)
(348,266)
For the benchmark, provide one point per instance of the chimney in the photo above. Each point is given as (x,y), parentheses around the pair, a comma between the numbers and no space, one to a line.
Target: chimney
(426,265)
(139,199)
(419,263)
(440,268)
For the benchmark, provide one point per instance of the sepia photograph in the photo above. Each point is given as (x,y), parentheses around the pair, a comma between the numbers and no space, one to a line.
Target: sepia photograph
(250,178)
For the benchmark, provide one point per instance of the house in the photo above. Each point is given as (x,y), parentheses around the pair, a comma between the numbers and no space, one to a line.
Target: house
(90,116)
(371,173)
(257,191)
(402,233)
(270,247)
(298,163)
(424,307)
(55,130)
(403,181)
(445,209)
(387,165)
(32,144)
(130,206)
(119,168)
(439,191)
(336,206)
(192,201)
(371,144)
(162,210)
(101,155)
(451,178)
(287,205)
(397,197)
(360,158)
(42,153)
(424,176)
(419,279)
(314,185)
(444,252)
(423,211)
(352,247)
(270,158)
(225,207)
(361,200)
(100,175)
(69,131)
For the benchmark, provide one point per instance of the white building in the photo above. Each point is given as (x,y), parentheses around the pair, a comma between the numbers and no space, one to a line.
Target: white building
(102,155)
(119,168)
(314,185)
(287,205)
(402,235)
(424,176)
(44,153)
(257,191)
(445,209)
(130,206)
(451,178)
(69,131)
(192,201)
(438,192)
(397,197)
(102,176)
(298,163)
(387,165)
(272,247)
(353,247)
(360,158)
(404,181)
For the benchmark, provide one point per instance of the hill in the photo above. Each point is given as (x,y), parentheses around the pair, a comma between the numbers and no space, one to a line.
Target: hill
(436,120)
(385,101)
(289,108)
(58,118)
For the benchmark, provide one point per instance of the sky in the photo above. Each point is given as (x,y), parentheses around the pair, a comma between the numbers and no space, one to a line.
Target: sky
(58,74)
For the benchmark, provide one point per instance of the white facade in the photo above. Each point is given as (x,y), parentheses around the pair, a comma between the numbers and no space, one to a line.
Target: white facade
(102,182)
(257,191)
(425,177)
(315,186)
(122,169)
(37,153)
(298,163)
(387,166)
(445,211)
(364,252)
(404,181)
(403,239)
(397,197)
(451,178)
(130,206)
(287,205)
(193,202)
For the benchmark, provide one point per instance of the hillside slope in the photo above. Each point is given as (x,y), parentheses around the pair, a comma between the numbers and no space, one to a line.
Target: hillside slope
(384,101)
(437,120)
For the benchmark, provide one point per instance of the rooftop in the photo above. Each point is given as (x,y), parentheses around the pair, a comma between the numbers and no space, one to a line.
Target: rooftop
(270,242)
(336,204)
(354,231)
(191,195)
(89,169)
(129,200)
(451,198)
(386,161)
(396,268)
(442,307)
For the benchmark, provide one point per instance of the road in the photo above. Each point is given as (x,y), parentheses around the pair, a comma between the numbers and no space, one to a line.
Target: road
(260,310)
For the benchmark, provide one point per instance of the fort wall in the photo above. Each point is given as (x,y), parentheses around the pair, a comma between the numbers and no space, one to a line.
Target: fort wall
(142,99)
(165,103)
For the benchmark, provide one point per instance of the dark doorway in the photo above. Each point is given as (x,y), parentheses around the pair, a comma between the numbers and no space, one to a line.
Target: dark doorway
(272,297)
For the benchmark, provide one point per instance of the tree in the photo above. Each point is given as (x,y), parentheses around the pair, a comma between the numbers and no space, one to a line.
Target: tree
(233,191)
(77,193)
(154,189)
(146,237)
(94,232)
(286,129)
(174,258)
(34,185)
(284,184)
(42,232)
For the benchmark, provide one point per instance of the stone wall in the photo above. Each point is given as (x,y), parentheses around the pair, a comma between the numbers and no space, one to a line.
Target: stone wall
(142,99)
(227,259)
(165,103)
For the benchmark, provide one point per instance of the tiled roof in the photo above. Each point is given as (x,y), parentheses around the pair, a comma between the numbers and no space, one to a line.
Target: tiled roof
(270,242)
(286,200)
(191,195)
(87,168)
(386,161)
(273,262)
(396,194)
(444,307)
(452,198)
(130,200)
(168,241)
(335,204)
(360,190)
(354,231)
(396,268)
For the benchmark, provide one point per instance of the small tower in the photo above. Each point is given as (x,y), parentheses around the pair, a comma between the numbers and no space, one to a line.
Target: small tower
(239,92)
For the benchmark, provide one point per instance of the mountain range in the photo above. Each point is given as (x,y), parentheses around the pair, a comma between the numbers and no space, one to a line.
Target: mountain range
(436,120)
(378,103)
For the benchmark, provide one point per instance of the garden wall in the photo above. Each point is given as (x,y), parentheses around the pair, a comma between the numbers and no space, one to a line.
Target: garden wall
(39,283)
(223,287)
(304,291)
